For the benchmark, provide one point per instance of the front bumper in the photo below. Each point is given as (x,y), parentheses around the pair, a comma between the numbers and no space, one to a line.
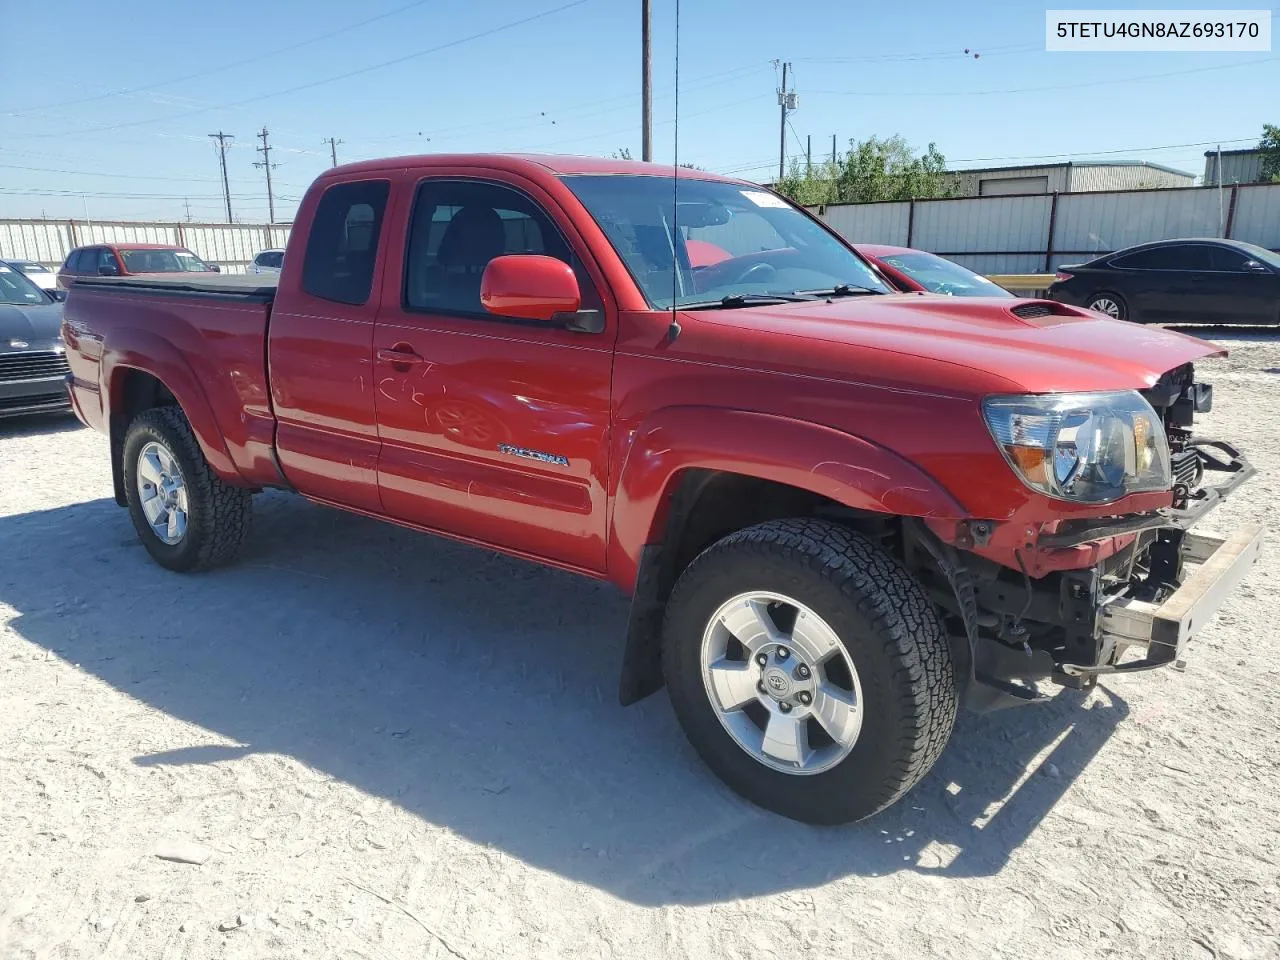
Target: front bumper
(1163,629)
(1151,596)
(39,395)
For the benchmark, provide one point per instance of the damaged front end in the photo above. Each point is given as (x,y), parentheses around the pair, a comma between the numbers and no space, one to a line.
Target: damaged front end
(1147,585)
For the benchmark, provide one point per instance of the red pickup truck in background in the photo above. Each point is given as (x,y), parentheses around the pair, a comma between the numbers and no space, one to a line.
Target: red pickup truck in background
(840,511)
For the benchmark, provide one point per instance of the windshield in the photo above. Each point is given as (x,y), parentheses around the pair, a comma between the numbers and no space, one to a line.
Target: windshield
(730,240)
(943,276)
(162,261)
(17,290)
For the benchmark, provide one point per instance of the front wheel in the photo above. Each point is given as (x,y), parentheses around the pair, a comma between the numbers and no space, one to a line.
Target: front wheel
(186,516)
(809,670)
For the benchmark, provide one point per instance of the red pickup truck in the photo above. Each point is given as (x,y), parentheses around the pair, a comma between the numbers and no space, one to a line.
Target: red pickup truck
(840,511)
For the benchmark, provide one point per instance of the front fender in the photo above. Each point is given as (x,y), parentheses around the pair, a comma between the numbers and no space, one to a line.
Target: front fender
(134,349)
(840,466)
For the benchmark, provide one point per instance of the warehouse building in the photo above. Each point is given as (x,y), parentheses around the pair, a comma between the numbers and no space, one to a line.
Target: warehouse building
(1238,166)
(1069,177)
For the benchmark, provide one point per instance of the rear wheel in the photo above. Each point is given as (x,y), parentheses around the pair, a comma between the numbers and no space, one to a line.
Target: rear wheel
(187,518)
(809,670)
(1111,304)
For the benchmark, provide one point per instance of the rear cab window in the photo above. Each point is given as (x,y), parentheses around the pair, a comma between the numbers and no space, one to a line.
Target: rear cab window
(342,247)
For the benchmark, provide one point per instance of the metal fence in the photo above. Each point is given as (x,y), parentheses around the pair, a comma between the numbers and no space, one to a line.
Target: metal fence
(230,245)
(1040,232)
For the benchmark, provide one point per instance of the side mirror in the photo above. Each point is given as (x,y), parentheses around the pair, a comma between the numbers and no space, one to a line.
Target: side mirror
(57,295)
(529,286)
(215,268)
(1255,266)
(108,270)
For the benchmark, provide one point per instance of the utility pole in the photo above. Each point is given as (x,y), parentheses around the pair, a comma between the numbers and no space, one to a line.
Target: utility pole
(808,154)
(333,149)
(646,84)
(833,148)
(266,164)
(1221,228)
(787,101)
(186,202)
(222,139)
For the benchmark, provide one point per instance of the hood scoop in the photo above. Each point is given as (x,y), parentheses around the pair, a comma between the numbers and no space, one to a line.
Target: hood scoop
(1040,308)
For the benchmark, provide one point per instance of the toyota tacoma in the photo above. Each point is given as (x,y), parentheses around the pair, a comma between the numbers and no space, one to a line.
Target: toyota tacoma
(840,512)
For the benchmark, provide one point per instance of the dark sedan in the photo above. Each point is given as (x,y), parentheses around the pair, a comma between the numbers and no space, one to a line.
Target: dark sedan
(1178,281)
(33,364)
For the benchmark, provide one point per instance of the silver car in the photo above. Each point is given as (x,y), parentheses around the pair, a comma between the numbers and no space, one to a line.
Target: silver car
(267,261)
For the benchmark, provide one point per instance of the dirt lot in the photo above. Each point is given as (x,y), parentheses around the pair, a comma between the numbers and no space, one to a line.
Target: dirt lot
(395,747)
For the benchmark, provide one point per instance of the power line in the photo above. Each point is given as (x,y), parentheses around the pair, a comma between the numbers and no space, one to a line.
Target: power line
(1105,153)
(316,83)
(762,164)
(1004,51)
(226,66)
(1057,86)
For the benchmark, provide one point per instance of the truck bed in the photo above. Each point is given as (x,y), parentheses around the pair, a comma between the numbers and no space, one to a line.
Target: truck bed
(241,286)
(202,336)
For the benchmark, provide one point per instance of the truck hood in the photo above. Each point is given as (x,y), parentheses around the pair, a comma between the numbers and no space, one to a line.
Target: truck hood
(970,344)
(37,324)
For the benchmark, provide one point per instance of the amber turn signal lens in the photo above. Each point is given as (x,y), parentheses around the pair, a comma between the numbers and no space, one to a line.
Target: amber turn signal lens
(1032,461)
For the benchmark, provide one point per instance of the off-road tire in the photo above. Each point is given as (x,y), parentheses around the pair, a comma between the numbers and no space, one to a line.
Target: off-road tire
(219,515)
(887,625)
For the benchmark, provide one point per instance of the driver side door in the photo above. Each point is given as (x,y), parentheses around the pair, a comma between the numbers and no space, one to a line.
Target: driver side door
(493,428)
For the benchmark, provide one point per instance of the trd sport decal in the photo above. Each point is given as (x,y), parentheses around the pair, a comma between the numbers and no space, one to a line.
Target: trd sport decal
(533,454)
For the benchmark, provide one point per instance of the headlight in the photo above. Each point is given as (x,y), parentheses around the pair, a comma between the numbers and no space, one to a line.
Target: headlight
(1088,447)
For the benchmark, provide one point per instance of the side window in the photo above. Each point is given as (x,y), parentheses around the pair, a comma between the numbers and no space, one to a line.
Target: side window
(343,245)
(1159,258)
(272,259)
(105,259)
(1191,256)
(1227,261)
(458,227)
(73,261)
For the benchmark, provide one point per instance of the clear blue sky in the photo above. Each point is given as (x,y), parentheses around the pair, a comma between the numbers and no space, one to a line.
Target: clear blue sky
(108,107)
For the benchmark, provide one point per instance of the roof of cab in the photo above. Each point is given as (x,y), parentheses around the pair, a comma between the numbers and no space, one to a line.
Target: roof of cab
(560,165)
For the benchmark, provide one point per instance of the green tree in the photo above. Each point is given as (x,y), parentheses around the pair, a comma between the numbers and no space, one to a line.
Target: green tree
(1269,145)
(873,169)
(622,153)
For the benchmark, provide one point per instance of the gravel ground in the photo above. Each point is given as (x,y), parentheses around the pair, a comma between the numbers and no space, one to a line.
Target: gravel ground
(390,746)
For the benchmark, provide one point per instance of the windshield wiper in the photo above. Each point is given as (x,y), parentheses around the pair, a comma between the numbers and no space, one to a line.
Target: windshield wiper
(845,290)
(748,300)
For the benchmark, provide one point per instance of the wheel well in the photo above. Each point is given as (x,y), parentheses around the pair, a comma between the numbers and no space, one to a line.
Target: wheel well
(710,505)
(135,392)
(703,507)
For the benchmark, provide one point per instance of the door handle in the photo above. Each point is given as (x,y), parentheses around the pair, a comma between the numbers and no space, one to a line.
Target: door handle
(401,355)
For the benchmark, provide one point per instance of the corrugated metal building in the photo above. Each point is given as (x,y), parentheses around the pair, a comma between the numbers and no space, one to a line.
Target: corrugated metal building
(1238,166)
(1034,234)
(1069,177)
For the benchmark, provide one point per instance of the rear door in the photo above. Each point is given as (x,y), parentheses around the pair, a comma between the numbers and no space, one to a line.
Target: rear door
(493,428)
(320,345)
